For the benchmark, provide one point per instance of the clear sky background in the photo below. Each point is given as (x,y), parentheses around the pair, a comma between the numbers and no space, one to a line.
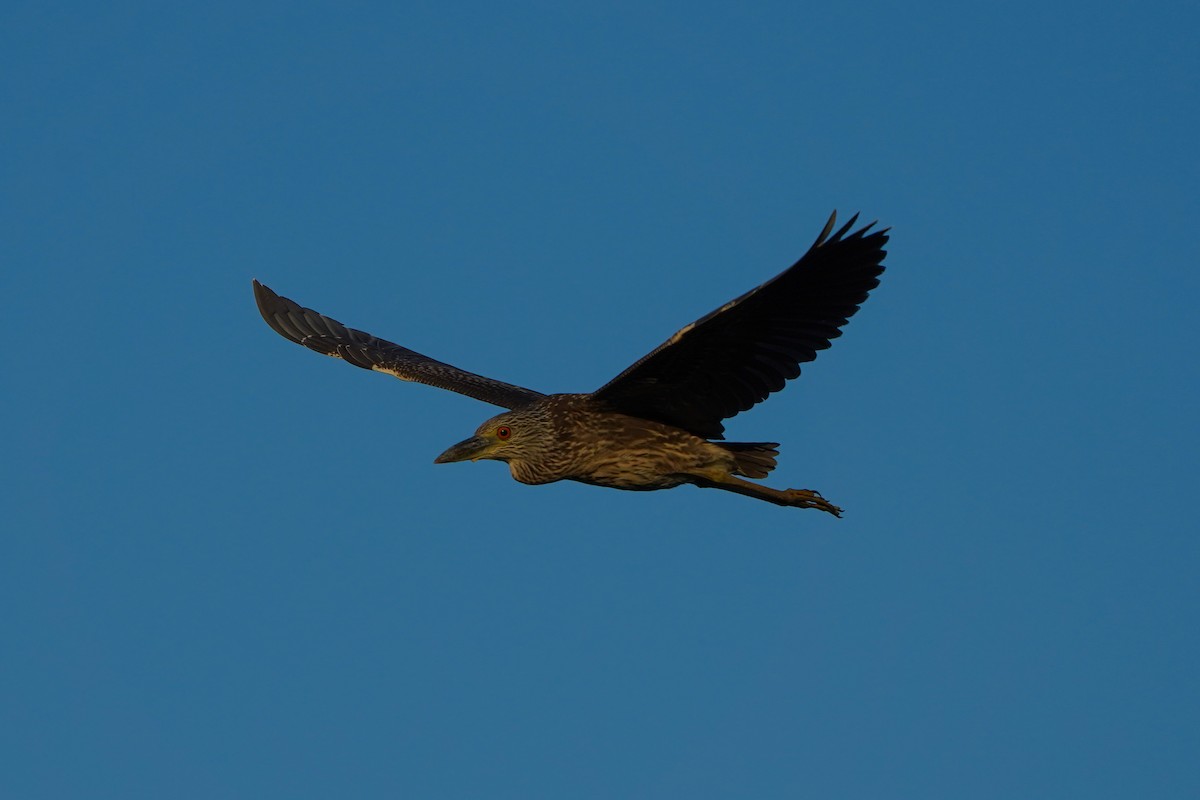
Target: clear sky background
(230,568)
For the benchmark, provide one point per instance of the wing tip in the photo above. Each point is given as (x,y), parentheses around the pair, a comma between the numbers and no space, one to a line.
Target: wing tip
(264,298)
(828,236)
(275,310)
(826,230)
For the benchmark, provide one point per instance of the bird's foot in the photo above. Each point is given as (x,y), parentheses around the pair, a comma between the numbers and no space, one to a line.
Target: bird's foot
(807,498)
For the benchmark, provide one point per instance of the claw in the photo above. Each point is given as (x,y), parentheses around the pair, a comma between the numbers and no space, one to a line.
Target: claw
(808,498)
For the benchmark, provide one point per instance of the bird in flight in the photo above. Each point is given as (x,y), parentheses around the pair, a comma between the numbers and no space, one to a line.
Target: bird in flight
(658,424)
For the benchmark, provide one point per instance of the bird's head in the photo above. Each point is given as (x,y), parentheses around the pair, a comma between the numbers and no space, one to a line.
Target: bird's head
(511,436)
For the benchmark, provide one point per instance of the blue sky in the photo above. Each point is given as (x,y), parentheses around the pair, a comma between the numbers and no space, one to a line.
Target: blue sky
(231,568)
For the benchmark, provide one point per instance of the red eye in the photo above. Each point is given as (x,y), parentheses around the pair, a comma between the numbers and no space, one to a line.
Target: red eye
(503,432)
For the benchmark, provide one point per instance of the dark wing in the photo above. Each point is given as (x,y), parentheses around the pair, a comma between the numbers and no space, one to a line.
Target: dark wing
(728,360)
(325,335)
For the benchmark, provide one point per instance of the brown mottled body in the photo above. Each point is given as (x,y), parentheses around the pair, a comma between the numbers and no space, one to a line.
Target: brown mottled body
(621,452)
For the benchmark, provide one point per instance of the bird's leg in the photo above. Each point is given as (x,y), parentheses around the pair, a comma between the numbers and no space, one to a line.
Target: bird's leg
(796,498)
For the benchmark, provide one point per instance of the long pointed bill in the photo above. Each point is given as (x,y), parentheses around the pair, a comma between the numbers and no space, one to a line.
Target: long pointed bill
(469,449)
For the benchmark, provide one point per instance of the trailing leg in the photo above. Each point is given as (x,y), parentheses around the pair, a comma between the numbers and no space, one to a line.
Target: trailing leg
(795,498)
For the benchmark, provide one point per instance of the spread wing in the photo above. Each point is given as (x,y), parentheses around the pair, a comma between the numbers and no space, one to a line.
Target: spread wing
(733,358)
(326,335)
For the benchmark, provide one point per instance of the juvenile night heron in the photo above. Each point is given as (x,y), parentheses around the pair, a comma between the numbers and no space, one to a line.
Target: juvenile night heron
(652,426)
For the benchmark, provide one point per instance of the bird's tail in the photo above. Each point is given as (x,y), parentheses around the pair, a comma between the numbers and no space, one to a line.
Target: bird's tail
(752,459)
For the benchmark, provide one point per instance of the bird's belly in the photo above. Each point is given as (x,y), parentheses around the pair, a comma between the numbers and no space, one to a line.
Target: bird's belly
(613,476)
(632,482)
(633,474)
